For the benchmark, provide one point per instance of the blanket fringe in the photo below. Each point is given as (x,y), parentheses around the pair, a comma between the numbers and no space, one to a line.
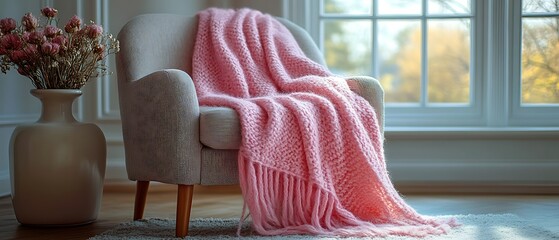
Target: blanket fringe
(282,204)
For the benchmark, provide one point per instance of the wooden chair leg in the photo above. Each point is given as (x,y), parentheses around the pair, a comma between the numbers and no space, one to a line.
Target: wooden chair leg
(184,204)
(140,202)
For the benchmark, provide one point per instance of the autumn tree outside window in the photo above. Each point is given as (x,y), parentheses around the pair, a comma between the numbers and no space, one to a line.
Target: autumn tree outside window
(540,52)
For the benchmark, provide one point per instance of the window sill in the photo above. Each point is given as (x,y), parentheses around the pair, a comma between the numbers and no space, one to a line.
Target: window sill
(510,133)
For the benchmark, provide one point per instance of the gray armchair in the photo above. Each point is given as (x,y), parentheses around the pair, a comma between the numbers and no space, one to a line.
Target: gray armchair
(168,137)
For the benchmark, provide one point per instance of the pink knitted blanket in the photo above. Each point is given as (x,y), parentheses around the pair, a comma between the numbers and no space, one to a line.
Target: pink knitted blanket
(311,159)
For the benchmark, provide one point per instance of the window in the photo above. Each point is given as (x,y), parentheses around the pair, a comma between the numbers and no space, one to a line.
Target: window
(534,64)
(447,63)
(420,54)
(540,52)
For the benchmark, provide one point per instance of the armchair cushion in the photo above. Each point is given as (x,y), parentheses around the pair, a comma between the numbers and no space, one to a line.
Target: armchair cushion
(220,128)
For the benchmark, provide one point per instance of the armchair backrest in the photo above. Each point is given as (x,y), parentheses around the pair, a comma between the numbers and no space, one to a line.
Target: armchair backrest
(153,42)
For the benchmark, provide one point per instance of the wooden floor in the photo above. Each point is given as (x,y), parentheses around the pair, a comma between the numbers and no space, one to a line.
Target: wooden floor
(226,202)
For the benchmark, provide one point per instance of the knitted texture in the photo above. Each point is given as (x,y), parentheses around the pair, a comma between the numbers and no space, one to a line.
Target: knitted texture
(311,159)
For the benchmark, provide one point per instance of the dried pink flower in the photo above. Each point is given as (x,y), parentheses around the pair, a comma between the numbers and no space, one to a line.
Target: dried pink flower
(31,51)
(73,24)
(11,42)
(50,48)
(29,22)
(51,31)
(18,56)
(94,31)
(25,36)
(49,12)
(60,40)
(36,38)
(7,25)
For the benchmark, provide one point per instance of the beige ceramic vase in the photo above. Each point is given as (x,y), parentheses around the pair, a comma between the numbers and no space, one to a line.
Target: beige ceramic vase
(57,164)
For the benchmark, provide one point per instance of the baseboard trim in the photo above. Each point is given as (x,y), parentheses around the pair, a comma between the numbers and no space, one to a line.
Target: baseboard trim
(116,171)
(478,188)
(5,186)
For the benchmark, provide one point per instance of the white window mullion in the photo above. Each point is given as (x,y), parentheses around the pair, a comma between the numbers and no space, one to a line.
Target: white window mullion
(479,60)
(298,11)
(498,74)
(424,58)
(374,32)
(515,54)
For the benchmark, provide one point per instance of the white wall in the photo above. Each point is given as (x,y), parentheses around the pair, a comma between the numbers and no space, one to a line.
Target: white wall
(482,158)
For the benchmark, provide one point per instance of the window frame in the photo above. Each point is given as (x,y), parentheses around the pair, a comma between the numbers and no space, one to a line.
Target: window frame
(495,74)
(529,114)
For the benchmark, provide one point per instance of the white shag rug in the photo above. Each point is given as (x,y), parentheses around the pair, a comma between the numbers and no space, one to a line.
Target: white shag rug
(474,227)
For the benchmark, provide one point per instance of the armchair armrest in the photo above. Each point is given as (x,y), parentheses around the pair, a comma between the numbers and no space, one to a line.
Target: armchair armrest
(160,124)
(370,89)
